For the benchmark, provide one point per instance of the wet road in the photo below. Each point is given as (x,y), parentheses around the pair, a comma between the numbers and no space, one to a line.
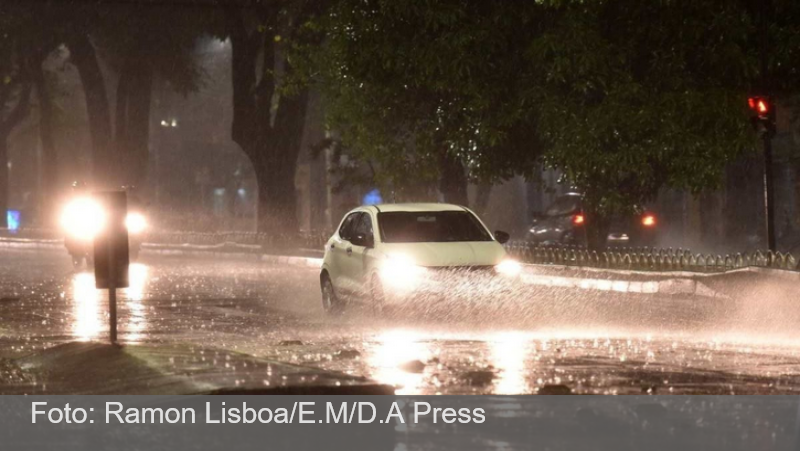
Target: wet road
(539,338)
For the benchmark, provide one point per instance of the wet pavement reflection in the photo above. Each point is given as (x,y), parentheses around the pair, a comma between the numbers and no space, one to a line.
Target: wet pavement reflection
(86,321)
(273,312)
(398,358)
(509,353)
(90,318)
(133,297)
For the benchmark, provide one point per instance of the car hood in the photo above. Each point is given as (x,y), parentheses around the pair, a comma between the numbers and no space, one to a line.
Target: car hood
(472,253)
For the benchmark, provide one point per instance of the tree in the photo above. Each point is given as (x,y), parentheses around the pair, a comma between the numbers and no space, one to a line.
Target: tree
(142,42)
(138,42)
(425,90)
(636,96)
(15,92)
(84,57)
(270,101)
(623,97)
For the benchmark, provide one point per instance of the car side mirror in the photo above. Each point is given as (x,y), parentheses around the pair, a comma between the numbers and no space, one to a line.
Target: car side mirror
(363,240)
(501,237)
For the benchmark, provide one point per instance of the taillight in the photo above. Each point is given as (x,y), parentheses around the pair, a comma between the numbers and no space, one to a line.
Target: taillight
(649,220)
(578,219)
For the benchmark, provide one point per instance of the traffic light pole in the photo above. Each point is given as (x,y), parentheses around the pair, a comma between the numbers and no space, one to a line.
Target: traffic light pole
(769,191)
(764,21)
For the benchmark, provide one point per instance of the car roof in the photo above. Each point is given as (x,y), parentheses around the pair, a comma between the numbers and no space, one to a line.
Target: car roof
(418,207)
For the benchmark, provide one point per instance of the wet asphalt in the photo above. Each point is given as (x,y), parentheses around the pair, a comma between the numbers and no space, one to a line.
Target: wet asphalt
(535,339)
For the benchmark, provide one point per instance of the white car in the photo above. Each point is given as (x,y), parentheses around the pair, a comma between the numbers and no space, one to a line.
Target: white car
(387,253)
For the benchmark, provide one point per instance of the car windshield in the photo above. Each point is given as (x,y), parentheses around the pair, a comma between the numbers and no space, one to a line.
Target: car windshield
(432,227)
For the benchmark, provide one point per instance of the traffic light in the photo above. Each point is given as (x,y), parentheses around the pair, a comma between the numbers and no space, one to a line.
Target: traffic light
(763,113)
(763,120)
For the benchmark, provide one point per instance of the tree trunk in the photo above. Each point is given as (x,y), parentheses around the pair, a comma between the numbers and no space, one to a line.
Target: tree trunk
(277,203)
(120,135)
(596,228)
(132,134)
(3,181)
(452,180)
(275,165)
(270,137)
(83,55)
(49,162)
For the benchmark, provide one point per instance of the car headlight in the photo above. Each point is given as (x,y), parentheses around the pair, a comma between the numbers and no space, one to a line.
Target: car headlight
(400,272)
(508,267)
(135,223)
(83,218)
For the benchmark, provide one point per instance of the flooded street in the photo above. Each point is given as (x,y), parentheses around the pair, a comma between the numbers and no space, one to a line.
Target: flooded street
(537,339)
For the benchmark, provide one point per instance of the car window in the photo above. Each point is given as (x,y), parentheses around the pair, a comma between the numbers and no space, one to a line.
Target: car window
(346,230)
(564,206)
(431,227)
(363,226)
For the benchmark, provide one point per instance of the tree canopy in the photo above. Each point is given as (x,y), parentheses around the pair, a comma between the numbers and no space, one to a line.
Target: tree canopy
(623,97)
(408,85)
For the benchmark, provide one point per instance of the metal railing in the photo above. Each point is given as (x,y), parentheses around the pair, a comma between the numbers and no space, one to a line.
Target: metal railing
(648,259)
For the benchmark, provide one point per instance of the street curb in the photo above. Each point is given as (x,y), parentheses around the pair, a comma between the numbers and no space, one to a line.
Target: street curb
(220,251)
(225,250)
(24,243)
(671,286)
(308,262)
(784,273)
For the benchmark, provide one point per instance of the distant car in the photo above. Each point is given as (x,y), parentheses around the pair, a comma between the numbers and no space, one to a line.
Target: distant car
(564,222)
(383,254)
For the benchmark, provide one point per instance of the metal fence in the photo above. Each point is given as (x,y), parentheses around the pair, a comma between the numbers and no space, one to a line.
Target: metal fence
(648,259)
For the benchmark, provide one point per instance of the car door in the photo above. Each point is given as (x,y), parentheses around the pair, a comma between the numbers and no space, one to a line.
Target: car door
(352,266)
(338,252)
(362,252)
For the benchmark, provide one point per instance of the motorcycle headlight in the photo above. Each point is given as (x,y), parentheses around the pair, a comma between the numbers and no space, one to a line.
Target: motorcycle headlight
(136,223)
(509,267)
(83,218)
(400,272)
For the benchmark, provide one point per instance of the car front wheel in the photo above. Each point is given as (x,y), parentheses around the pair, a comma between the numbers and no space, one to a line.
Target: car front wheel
(330,302)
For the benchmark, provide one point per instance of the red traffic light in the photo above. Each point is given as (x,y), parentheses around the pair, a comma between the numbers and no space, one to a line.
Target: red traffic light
(760,105)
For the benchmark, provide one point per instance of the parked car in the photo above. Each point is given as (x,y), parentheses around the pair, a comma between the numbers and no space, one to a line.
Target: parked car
(564,222)
(383,254)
